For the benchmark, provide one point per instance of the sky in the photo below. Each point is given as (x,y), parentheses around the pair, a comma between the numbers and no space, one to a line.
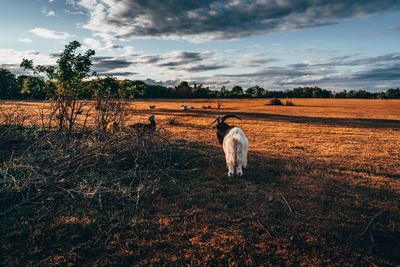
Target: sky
(276,44)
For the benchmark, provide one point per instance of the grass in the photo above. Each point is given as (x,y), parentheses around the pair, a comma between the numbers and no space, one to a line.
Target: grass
(322,188)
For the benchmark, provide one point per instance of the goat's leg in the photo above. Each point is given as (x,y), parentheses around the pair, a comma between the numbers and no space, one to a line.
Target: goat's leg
(239,169)
(231,170)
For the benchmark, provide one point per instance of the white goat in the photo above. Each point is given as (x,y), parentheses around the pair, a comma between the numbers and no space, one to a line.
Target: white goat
(234,143)
(184,107)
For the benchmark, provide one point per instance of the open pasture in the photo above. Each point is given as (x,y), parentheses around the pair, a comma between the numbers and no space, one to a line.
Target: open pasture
(322,188)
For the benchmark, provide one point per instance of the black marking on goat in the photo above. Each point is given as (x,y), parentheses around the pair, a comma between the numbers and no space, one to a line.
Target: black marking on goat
(222,127)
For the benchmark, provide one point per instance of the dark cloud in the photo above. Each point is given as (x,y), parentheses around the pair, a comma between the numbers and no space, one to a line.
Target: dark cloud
(55,55)
(116,46)
(117,74)
(183,58)
(206,67)
(150,59)
(257,62)
(387,73)
(223,18)
(272,72)
(374,60)
(104,64)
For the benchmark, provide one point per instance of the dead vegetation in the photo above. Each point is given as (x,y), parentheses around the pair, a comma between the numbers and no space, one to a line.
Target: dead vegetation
(317,192)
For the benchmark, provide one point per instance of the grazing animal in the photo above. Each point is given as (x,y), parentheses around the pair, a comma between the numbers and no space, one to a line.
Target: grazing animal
(152,106)
(184,107)
(112,127)
(205,107)
(208,106)
(143,127)
(234,143)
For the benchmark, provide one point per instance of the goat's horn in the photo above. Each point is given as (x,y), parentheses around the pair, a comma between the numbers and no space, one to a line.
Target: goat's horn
(216,120)
(229,116)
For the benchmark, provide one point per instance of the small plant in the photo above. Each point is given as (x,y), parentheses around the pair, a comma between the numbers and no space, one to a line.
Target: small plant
(289,103)
(275,102)
(173,122)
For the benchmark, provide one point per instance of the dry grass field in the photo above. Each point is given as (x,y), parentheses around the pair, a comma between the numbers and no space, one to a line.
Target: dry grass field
(322,188)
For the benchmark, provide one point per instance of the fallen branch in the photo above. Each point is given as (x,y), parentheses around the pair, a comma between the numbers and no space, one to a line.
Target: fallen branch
(371,222)
(265,229)
(287,204)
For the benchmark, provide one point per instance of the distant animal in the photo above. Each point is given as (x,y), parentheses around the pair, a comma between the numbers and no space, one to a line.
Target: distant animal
(208,106)
(234,143)
(112,127)
(184,107)
(143,127)
(152,106)
(205,107)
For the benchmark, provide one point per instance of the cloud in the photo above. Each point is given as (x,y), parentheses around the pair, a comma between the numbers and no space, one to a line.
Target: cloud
(117,74)
(386,73)
(51,13)
(104,45)
(256,60)
(49,34)
(223,19)
(110,64)
(92,43)
(371,73)
(393,29)
(25,40)
(205,67)
(184,61)
(11,59)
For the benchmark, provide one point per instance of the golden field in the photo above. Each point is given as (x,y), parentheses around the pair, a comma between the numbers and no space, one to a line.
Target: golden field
(322,186)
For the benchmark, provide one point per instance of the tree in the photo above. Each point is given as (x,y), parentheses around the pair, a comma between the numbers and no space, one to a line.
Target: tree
(131,89)
(8,84)
(67,77)
(236,91)
(33,87)
(255,91)
(183,90)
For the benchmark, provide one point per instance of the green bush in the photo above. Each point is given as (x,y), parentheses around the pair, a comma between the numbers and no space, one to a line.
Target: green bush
(275,102)
(289,103)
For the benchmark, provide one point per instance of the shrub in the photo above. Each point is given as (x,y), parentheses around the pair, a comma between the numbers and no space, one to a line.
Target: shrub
(173,122)
(275,102)
(289,103)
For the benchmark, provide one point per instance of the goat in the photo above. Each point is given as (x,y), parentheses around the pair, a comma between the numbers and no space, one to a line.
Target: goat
(184,107)
(112,127)
(152,106)
(234,143)
(143,127)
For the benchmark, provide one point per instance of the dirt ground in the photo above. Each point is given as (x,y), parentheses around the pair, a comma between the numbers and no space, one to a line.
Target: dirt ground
(322,187)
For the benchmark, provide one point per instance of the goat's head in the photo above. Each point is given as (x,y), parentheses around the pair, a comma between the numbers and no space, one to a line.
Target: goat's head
(152,119)
(222,127)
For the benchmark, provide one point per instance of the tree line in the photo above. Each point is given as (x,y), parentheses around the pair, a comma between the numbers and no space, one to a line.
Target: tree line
(44,83)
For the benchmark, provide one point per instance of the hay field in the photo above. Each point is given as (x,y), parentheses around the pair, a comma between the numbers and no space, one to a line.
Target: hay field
(322,188)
